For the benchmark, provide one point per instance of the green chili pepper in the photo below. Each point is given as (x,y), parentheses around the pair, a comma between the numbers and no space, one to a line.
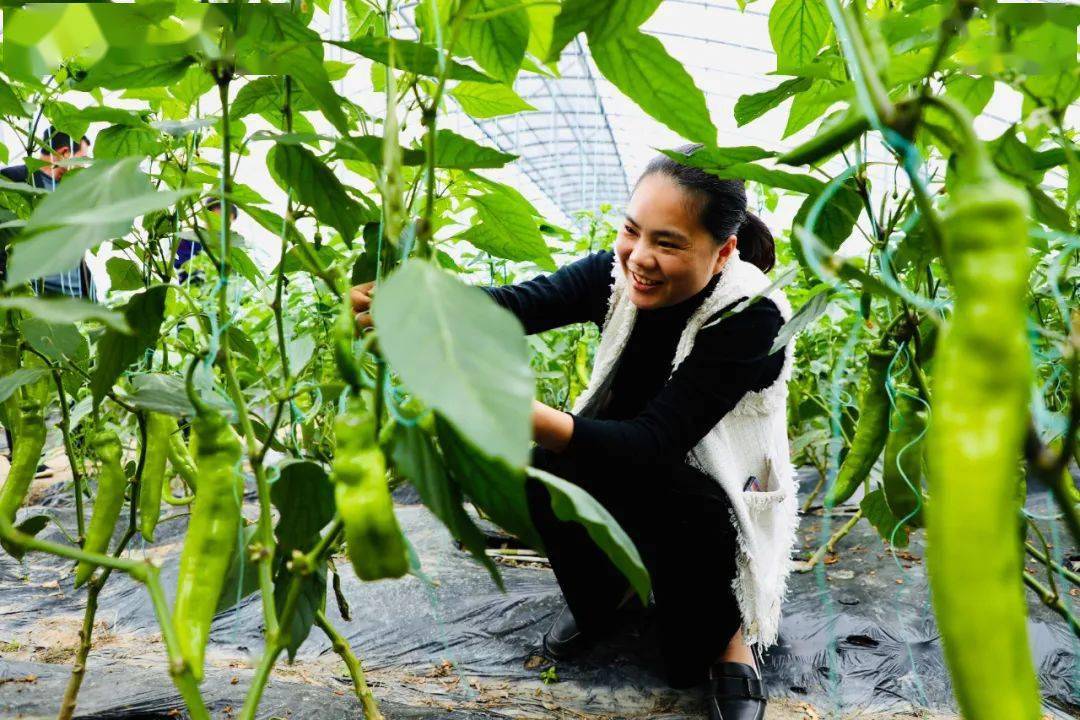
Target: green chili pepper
(870,434)
(180,459)
(902,476)
(9,363)
(159,430)
(981,389)
(211,536)
(828,142)
(373,537)
(344,334)
(109,502)
(24,460)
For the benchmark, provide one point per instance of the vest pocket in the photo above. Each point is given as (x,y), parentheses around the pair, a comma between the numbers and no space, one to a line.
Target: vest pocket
(761,502)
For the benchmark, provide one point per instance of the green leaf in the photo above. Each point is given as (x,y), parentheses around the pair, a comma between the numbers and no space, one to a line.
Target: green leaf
(751,107)
(1047,211)
(315,185)
(876,509)
(415,458)
(767,176)
(461,354)
(23,376)
(572,504)
(308,70)
(714,158)
(798,29)
(972,93)
(56,341)
(242,578)
(166,394)
(121,68)
(10,105)
(30,526)
(803,318)
(119,141)
(66,310)
(837,218)
(506,228)
(486,100)
(808,106)
(304,498)
(495,487)
(497,42)
(411,56)
(643,70)
(116,352)
(461,153)
(87,208)
(601,20)
(369,148)
(124,274)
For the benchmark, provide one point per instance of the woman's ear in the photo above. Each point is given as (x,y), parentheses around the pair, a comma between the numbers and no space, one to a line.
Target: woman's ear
(725,253)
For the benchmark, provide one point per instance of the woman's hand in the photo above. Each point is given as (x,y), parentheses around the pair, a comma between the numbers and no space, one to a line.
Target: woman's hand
(360,296)
(551,428)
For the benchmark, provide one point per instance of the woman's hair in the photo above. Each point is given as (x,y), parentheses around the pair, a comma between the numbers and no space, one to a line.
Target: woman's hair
(721,207)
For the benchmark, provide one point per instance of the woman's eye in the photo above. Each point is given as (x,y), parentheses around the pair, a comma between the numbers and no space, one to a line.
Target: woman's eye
(629,230)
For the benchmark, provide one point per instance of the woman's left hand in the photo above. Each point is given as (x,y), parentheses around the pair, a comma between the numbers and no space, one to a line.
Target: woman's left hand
(552,429)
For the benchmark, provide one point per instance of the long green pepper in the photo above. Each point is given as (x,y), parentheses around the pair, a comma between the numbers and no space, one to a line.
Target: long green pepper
(211,536)
(159,430)
(109,502)
(373,537)
(24,461)
(901,480)
(981,389)
(870,433)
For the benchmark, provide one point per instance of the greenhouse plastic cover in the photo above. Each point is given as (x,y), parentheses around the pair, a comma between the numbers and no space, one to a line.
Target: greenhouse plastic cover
(456,643)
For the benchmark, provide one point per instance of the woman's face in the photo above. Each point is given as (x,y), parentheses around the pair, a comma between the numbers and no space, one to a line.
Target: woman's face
(666,253)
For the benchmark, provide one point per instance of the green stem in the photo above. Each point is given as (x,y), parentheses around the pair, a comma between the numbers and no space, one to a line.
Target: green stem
(829,546)
(1053,601)
(356,671)
(1043,558)
(73,461)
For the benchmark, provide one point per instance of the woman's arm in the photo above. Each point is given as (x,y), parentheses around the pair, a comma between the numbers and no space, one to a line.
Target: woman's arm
(575,293)
(728,360)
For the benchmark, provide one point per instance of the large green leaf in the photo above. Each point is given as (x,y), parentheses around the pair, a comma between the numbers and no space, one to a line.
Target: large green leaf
(315,185)
(116,351)
(461,354)
(121,69)
(808,106)
(714,158)
(572,504)
(493,486)
(838,216)
(461,153)
(369,148)
(10,104)
(66,310)
(751,107)
(88,208)
(294,60)
(798,29)
(486,100)
(23,376)
(601,20)
(643,70)
(497,42)
(416,459)
(167,394)
(121,141)
(505,228)
(411,56)
(58,341)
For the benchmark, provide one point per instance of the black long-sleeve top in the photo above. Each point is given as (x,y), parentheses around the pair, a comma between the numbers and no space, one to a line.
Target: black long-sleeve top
(650,420)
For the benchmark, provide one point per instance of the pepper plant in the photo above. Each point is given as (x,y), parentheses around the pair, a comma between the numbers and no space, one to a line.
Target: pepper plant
(949,348)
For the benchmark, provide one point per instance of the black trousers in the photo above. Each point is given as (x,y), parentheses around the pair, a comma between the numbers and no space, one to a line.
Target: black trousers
(679,520)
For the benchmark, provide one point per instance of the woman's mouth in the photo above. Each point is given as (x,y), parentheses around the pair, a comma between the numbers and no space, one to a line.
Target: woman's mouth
(643,284)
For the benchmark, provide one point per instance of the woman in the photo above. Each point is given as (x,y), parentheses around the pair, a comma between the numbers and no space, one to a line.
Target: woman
(681,433)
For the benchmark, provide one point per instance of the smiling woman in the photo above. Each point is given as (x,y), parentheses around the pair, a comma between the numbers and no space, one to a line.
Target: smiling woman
(685,410)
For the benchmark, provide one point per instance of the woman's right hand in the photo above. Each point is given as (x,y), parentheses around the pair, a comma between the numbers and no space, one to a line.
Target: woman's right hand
(360,296)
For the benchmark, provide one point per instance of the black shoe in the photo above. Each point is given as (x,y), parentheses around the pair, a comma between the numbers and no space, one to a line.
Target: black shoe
(563,640)
(735,692)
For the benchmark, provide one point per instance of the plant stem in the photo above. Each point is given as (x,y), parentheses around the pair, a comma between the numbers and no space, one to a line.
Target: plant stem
(78,670)
(69,449)
(356,671)
(829,546)
(1053,601)
(1042,557)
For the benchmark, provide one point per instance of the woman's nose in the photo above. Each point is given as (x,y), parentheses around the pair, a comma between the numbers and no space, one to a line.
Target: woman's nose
(641,256)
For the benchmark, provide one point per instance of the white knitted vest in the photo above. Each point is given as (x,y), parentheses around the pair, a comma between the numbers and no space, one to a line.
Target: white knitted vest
(749,440)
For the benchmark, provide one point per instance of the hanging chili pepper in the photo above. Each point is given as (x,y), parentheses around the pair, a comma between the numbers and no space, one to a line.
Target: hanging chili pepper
(159,429)
(901,478)
(211,536)
(9,363)
(109,502)
(24,460)
(344,332)
(981,389)
(373,537)
(181,461)
(870,433)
